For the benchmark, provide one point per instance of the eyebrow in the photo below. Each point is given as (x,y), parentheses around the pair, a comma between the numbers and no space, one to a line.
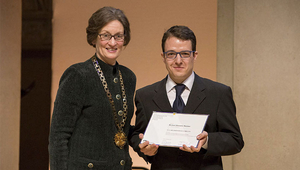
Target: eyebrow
(179,51)
(104,31)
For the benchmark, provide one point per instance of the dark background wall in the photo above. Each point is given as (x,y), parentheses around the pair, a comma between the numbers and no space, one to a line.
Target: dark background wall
(35,83)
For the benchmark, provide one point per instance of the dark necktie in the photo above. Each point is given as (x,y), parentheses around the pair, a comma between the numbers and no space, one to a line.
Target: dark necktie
(178,104)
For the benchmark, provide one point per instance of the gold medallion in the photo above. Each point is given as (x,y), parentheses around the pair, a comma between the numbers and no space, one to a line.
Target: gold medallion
(120,139)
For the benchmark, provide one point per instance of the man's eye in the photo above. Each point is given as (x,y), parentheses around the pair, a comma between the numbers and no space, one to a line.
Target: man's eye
(185,54)
(105,35)
(171,54)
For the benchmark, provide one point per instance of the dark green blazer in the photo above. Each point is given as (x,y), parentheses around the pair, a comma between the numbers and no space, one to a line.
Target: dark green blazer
(83,128)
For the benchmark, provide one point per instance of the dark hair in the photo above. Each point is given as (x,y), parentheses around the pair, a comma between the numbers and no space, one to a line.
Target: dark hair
(180,32)
(102,17)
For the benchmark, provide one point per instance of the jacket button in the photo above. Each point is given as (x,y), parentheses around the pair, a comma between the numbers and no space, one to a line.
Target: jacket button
(122,162)
(118,96)
(116,80)
(120,112)
(90,165)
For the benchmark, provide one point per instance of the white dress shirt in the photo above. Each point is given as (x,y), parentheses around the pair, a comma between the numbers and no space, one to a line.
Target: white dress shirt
(171,92)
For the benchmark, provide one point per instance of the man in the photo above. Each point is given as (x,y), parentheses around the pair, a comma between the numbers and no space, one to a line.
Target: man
(221,135)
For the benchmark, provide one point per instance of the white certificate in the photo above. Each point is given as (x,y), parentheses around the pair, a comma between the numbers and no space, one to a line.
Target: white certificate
(174,129)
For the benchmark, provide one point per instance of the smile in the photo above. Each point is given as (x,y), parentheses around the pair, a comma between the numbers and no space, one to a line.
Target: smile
(111,49)
(178,68)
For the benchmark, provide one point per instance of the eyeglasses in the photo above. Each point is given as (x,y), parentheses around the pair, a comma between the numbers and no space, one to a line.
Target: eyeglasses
(172,54)
(107,37)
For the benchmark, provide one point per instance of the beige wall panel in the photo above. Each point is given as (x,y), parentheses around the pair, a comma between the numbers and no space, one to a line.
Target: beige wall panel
(267,83)
(225,38)
(10,84)
(148,19)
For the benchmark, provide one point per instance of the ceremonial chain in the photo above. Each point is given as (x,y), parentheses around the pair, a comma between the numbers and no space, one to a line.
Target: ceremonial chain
(120,137)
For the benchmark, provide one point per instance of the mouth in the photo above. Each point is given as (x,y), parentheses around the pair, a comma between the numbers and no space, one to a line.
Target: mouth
(111,50)
(178,68)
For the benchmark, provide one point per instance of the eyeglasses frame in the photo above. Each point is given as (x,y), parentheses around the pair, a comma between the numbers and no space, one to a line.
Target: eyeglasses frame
(179,54)
(112,36)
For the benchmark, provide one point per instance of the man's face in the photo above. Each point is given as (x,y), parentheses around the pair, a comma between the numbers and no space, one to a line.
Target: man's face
(179,68)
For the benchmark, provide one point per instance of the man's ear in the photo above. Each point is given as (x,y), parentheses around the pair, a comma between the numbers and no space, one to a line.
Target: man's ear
(163,56)
(195,55)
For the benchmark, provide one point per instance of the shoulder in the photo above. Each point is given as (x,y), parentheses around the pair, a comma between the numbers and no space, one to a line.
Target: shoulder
(210,84)
(82,67)
(78,70)
(128,75)
(152,87)
(213,83)
(126,71)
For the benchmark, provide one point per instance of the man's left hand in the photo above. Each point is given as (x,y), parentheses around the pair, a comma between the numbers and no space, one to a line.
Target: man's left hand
(202,137)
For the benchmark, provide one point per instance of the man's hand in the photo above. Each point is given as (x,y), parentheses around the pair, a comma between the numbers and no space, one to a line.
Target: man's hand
(202,137)
(147,149)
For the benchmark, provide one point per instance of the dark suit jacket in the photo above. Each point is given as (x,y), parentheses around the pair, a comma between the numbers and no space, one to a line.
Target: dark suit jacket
(206,97)
(83,128)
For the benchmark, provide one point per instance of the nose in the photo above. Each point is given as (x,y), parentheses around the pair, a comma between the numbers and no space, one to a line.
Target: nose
(178,58)
(112,41)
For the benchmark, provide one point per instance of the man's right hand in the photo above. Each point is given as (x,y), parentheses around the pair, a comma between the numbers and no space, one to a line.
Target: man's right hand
(147,149)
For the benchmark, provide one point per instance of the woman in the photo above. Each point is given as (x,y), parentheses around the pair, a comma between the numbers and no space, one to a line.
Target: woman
(94,102)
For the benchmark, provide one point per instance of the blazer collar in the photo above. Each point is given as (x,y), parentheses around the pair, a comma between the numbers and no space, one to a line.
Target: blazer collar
(161,98)
(197,95)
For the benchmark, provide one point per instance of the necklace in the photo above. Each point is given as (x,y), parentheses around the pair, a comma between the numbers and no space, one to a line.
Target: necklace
(120,137)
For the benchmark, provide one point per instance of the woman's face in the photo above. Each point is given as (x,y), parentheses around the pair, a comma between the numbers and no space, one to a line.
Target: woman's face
(108,50)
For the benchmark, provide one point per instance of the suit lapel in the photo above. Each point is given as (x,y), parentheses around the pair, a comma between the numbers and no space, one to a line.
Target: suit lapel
(161,98)
(196,97)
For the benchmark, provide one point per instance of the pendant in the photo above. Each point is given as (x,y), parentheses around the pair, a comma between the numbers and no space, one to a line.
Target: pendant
(120,139)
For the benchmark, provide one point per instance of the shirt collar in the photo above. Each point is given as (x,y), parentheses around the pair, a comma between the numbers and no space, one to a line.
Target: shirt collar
(187,82)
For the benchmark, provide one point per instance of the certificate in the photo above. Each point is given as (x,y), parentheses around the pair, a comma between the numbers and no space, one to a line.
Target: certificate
(174,129)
